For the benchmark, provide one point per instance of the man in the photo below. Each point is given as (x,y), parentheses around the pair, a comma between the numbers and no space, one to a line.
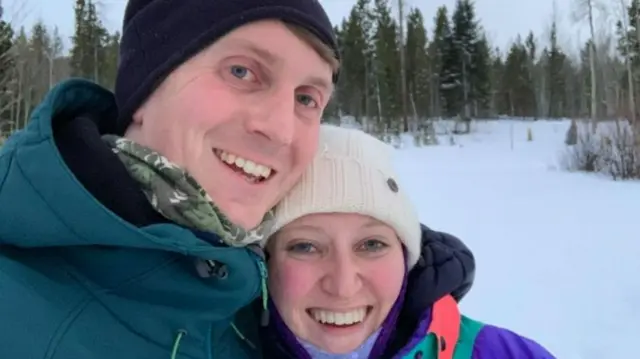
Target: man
(126,218)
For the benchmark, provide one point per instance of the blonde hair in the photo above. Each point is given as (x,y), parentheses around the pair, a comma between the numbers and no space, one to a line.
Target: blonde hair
(324,50)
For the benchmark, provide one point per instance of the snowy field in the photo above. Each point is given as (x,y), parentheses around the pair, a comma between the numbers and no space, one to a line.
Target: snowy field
(558,254)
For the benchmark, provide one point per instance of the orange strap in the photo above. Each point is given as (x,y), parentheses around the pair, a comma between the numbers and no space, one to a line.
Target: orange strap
(445,324)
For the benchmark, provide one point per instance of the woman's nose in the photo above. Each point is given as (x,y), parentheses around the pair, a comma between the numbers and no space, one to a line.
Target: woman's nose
(343,278)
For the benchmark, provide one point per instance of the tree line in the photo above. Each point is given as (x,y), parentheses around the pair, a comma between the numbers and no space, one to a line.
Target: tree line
(395,76)
(33,60)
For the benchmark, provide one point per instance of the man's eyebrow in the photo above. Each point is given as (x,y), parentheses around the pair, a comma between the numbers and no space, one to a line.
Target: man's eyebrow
(273,59)
(249,46)
(321,82)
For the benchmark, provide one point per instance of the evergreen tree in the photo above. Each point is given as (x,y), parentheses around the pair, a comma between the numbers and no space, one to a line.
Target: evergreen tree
(584,98)
(356,44)
(109,60)
(417,63)
(437,47)
(497,91)
(40,66)
(23,80)
(555,74)
(80,40)
(333,110)
(573,87)
(534,73)
(629,41)
(7,59)
(464,38)
(630,38)
(90,42)
(7,75)
(467,63)
(444,57)
(480,77)
(517,81)
(387,66)
(60,61)
(470,56)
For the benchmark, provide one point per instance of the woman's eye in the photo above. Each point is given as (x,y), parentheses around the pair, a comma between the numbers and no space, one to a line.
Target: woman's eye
(307,100)
(373,245)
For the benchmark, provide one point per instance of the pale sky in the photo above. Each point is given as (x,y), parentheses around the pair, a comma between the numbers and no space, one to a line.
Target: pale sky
(502,19)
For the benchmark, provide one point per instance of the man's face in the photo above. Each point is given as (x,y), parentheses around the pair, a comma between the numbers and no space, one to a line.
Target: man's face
(242,117)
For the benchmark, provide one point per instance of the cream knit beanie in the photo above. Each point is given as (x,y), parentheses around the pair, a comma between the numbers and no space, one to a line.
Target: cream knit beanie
(353,173)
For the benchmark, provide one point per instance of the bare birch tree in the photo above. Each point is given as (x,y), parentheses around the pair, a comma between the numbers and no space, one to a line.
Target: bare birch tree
(584,11)
(627,60)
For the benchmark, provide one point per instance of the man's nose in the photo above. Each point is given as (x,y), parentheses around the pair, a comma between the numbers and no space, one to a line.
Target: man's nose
(275,119)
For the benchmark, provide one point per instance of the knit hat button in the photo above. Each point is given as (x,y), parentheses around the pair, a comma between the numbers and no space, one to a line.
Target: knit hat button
(393,186)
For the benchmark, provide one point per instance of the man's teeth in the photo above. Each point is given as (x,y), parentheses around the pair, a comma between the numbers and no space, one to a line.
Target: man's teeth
(249,167)
(339,318)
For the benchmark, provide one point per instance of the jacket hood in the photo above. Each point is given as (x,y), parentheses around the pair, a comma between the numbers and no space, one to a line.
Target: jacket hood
(37,213)
(446,267)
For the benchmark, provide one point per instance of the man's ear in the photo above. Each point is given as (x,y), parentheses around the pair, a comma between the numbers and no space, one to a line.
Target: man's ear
(138,116)
(134,131)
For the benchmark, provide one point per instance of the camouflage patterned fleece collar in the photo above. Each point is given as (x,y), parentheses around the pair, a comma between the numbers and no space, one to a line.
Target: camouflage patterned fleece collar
(177,196)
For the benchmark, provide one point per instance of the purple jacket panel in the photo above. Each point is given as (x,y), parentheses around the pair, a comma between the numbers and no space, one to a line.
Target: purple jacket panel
(492,342)
(498,343)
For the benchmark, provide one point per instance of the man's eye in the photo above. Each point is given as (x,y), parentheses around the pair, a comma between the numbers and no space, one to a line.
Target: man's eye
(307,100)
(302,247)
(241,72)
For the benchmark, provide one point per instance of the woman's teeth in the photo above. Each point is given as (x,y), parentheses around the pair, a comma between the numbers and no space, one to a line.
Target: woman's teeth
(339,318)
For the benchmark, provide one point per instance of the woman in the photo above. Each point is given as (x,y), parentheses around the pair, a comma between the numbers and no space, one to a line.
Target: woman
(344,279)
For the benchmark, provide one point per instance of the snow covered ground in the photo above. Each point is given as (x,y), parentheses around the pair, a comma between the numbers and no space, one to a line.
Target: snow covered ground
(558,254)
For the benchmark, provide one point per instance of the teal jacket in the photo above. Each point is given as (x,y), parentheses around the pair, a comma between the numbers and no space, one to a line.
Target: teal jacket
(79,282)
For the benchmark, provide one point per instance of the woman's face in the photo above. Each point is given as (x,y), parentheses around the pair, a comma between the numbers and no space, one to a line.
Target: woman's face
(334,277)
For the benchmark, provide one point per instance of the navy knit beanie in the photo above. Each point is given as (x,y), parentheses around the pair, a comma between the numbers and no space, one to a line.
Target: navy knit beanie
(159,35)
